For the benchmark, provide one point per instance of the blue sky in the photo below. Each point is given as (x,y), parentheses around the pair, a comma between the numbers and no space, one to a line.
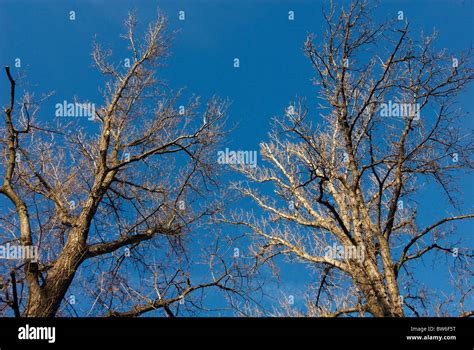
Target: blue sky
(55,56)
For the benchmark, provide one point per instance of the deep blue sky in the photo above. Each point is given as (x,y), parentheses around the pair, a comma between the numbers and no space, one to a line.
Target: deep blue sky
(55,55)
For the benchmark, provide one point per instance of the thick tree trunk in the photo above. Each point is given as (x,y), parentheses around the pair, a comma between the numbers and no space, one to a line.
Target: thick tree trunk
(380,302)
(46,301)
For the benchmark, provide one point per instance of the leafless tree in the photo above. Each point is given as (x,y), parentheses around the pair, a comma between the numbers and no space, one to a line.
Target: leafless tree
(111,210)
(346,184)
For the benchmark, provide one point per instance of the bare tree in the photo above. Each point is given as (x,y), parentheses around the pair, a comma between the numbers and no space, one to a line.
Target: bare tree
(111,210)
(346,185)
